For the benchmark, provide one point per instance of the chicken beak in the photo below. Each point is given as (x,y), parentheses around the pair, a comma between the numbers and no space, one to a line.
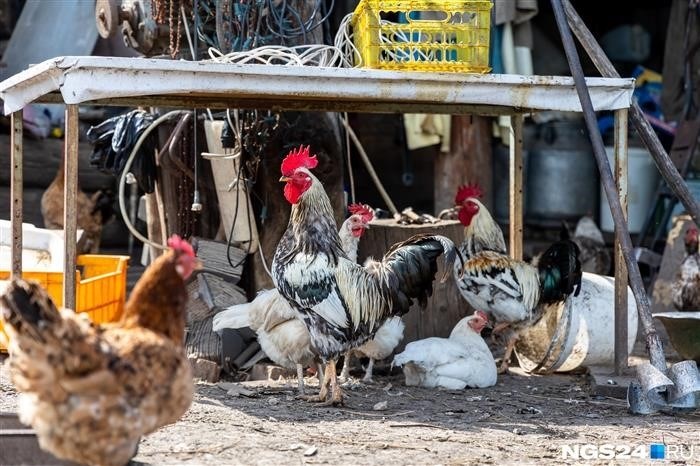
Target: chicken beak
(365,226)
(284,179)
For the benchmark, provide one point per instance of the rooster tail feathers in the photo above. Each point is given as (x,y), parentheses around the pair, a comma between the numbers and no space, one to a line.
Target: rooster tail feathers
(560,272)
(27,308)
(450,254)
(413,265)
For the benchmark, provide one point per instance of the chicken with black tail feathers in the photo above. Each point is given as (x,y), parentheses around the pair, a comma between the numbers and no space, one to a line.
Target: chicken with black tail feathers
(342,303)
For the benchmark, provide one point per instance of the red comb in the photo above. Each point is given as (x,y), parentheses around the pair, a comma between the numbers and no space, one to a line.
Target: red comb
(363,210)
(482,315)
(180,245)
(298,158)
(466,191)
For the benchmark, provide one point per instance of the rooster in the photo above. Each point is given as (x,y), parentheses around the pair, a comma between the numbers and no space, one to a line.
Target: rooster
(685,290)
(281,334)
(93,211)
(91,391)
(514,292)
(462,360)
(341,303)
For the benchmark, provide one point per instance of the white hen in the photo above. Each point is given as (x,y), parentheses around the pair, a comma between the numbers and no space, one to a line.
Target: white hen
(462,360)
(281,335)
(381,346)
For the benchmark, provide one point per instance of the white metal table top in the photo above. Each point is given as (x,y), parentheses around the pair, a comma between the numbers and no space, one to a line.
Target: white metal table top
(145,81)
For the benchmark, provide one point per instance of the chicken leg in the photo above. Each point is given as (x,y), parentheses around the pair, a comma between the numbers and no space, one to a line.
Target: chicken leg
(336,391)
(368,372)
(330,380)
(345,373)
(323,392)
(300,377)
(498,329)
(510,345)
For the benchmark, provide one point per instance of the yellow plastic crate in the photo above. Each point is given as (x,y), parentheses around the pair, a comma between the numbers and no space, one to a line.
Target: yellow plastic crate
(423,35)
(100,286)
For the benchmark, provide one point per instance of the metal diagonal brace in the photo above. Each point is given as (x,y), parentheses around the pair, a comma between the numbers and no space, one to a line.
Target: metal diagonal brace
(656,354)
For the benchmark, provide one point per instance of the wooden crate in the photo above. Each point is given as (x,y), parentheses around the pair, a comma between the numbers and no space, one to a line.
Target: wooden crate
(446,307)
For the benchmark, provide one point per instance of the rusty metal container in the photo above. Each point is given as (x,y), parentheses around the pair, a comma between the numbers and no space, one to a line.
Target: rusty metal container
(562,178)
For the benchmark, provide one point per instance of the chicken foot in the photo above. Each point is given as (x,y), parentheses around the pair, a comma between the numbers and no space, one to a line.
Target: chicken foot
(330,379)
(325,382)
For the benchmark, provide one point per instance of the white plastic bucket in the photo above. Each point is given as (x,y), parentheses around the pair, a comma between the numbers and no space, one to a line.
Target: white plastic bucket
(580,332)
(642,179)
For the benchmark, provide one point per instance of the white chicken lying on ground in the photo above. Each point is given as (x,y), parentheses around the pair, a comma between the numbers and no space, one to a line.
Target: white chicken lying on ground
(380,347)
(281,335)
(462,360)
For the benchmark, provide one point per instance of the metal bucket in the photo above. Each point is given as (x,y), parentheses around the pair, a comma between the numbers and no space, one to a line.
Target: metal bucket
(562,180)
(580,332)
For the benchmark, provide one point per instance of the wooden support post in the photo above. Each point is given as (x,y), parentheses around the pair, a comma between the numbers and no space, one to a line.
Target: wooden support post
(70,203)
(469,160)
(516,187)
(17,190)
(621,350)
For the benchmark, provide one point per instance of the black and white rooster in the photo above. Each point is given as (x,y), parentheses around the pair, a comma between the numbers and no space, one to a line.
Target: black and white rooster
(342,303)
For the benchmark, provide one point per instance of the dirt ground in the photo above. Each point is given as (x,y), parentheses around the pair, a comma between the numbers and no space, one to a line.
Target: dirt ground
(522,420)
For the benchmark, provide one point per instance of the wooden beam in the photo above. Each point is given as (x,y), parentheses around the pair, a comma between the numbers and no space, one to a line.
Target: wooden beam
(16,186)
(70,202)
(516,187)
(469,160)
(621,350)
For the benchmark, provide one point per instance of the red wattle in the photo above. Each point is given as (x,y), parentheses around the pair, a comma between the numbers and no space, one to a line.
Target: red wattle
(465,217)
(292,193)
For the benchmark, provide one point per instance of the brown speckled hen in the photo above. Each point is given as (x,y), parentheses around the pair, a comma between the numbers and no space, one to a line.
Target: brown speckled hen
(93,211)
(685,290)
(91,391)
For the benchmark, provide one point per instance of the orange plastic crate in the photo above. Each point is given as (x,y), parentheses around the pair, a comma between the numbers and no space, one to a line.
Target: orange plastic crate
(100,286)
